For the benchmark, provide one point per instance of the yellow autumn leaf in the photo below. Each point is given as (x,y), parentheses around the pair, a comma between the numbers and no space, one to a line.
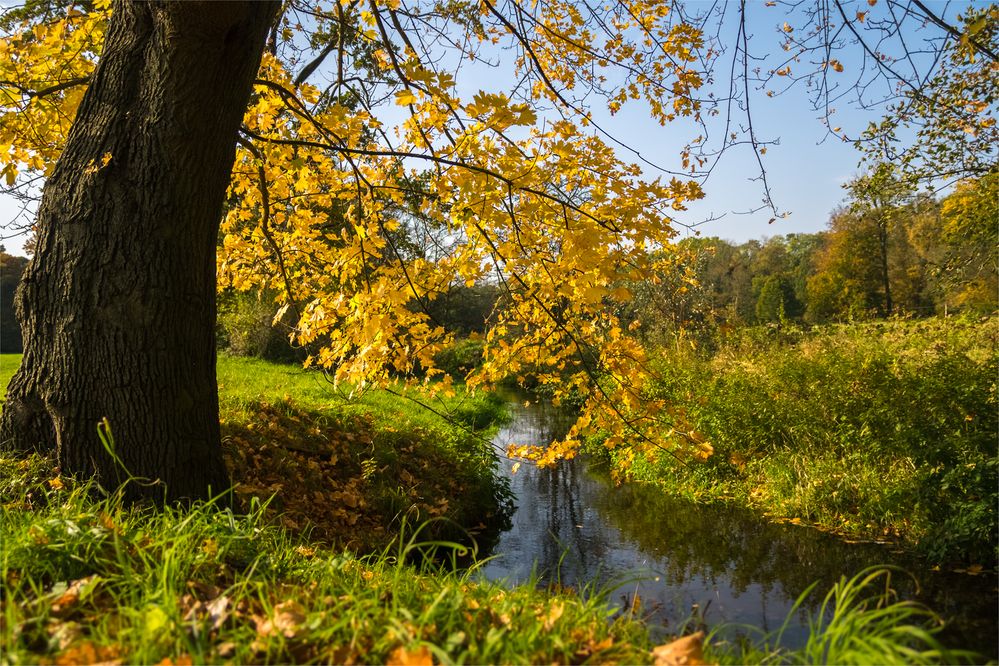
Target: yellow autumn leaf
(210,547)
(405,97)
(403,656)
(555,611)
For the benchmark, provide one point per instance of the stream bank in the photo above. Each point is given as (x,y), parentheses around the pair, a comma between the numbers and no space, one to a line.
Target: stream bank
(574,528)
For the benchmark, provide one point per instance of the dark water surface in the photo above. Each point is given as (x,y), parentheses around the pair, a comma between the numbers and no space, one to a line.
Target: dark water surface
(573,527)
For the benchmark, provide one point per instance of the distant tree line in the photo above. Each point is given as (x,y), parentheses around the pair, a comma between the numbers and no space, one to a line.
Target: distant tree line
(246,325)
(886,251)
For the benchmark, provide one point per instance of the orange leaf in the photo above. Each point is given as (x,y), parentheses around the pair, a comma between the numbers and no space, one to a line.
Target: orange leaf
(554,613)
(88,653)
(76,589)
(404,657)
(182,660)
(686,651)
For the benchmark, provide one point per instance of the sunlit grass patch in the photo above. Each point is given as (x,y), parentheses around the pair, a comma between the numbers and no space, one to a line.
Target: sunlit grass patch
(9,364)
(348,468)
(86,579)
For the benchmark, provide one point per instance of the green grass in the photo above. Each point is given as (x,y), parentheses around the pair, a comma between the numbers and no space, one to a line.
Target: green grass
(348,468)
(352,467)
(245,382)
(86,579)
(9,364)
(882,430)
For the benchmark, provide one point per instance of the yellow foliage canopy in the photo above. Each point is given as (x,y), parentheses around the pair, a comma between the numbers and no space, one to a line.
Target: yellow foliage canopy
(366,194)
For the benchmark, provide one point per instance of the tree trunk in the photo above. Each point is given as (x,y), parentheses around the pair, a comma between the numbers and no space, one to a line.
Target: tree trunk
(117,306)
(883,247)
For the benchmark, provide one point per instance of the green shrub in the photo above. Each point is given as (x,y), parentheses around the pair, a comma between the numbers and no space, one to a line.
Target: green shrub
(245,327)
(878,429)
(460,358)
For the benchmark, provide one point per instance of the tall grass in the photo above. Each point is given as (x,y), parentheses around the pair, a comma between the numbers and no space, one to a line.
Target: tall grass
(877,430)
(87,579)
(859,622)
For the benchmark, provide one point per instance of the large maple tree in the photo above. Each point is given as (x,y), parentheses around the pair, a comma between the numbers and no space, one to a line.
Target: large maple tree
(369,178)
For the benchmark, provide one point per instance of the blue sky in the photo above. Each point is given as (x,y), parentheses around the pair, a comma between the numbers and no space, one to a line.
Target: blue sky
(805,171)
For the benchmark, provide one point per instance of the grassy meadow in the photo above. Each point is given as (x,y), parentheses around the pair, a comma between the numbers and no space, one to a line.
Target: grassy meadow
(884,430)
(316,567)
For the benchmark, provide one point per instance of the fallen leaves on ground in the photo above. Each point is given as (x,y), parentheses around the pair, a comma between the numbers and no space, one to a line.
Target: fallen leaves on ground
(403,656)
(286,618)
(85,652)
(686,651)
(324,479)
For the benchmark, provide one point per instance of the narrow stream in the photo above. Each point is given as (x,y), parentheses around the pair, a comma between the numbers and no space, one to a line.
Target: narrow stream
(574,528)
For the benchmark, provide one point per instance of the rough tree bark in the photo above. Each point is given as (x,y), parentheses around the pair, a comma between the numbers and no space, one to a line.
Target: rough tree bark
(117,306)
(883,256)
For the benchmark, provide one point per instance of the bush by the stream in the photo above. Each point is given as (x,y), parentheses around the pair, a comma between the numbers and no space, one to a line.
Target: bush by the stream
(885,429)
(460,357)
(246,327)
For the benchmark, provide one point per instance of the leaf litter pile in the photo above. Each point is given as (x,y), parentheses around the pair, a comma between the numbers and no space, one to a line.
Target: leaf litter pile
(347,484)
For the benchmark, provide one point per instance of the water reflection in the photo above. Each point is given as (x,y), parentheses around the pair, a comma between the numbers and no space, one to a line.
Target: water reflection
(574,528)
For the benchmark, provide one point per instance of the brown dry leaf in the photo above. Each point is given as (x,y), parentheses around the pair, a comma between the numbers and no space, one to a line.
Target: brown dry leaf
(88,653)
(686,651)
(225,650)
(107,522)
(591,648)
(288,616)
(402,656)
(76,589)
